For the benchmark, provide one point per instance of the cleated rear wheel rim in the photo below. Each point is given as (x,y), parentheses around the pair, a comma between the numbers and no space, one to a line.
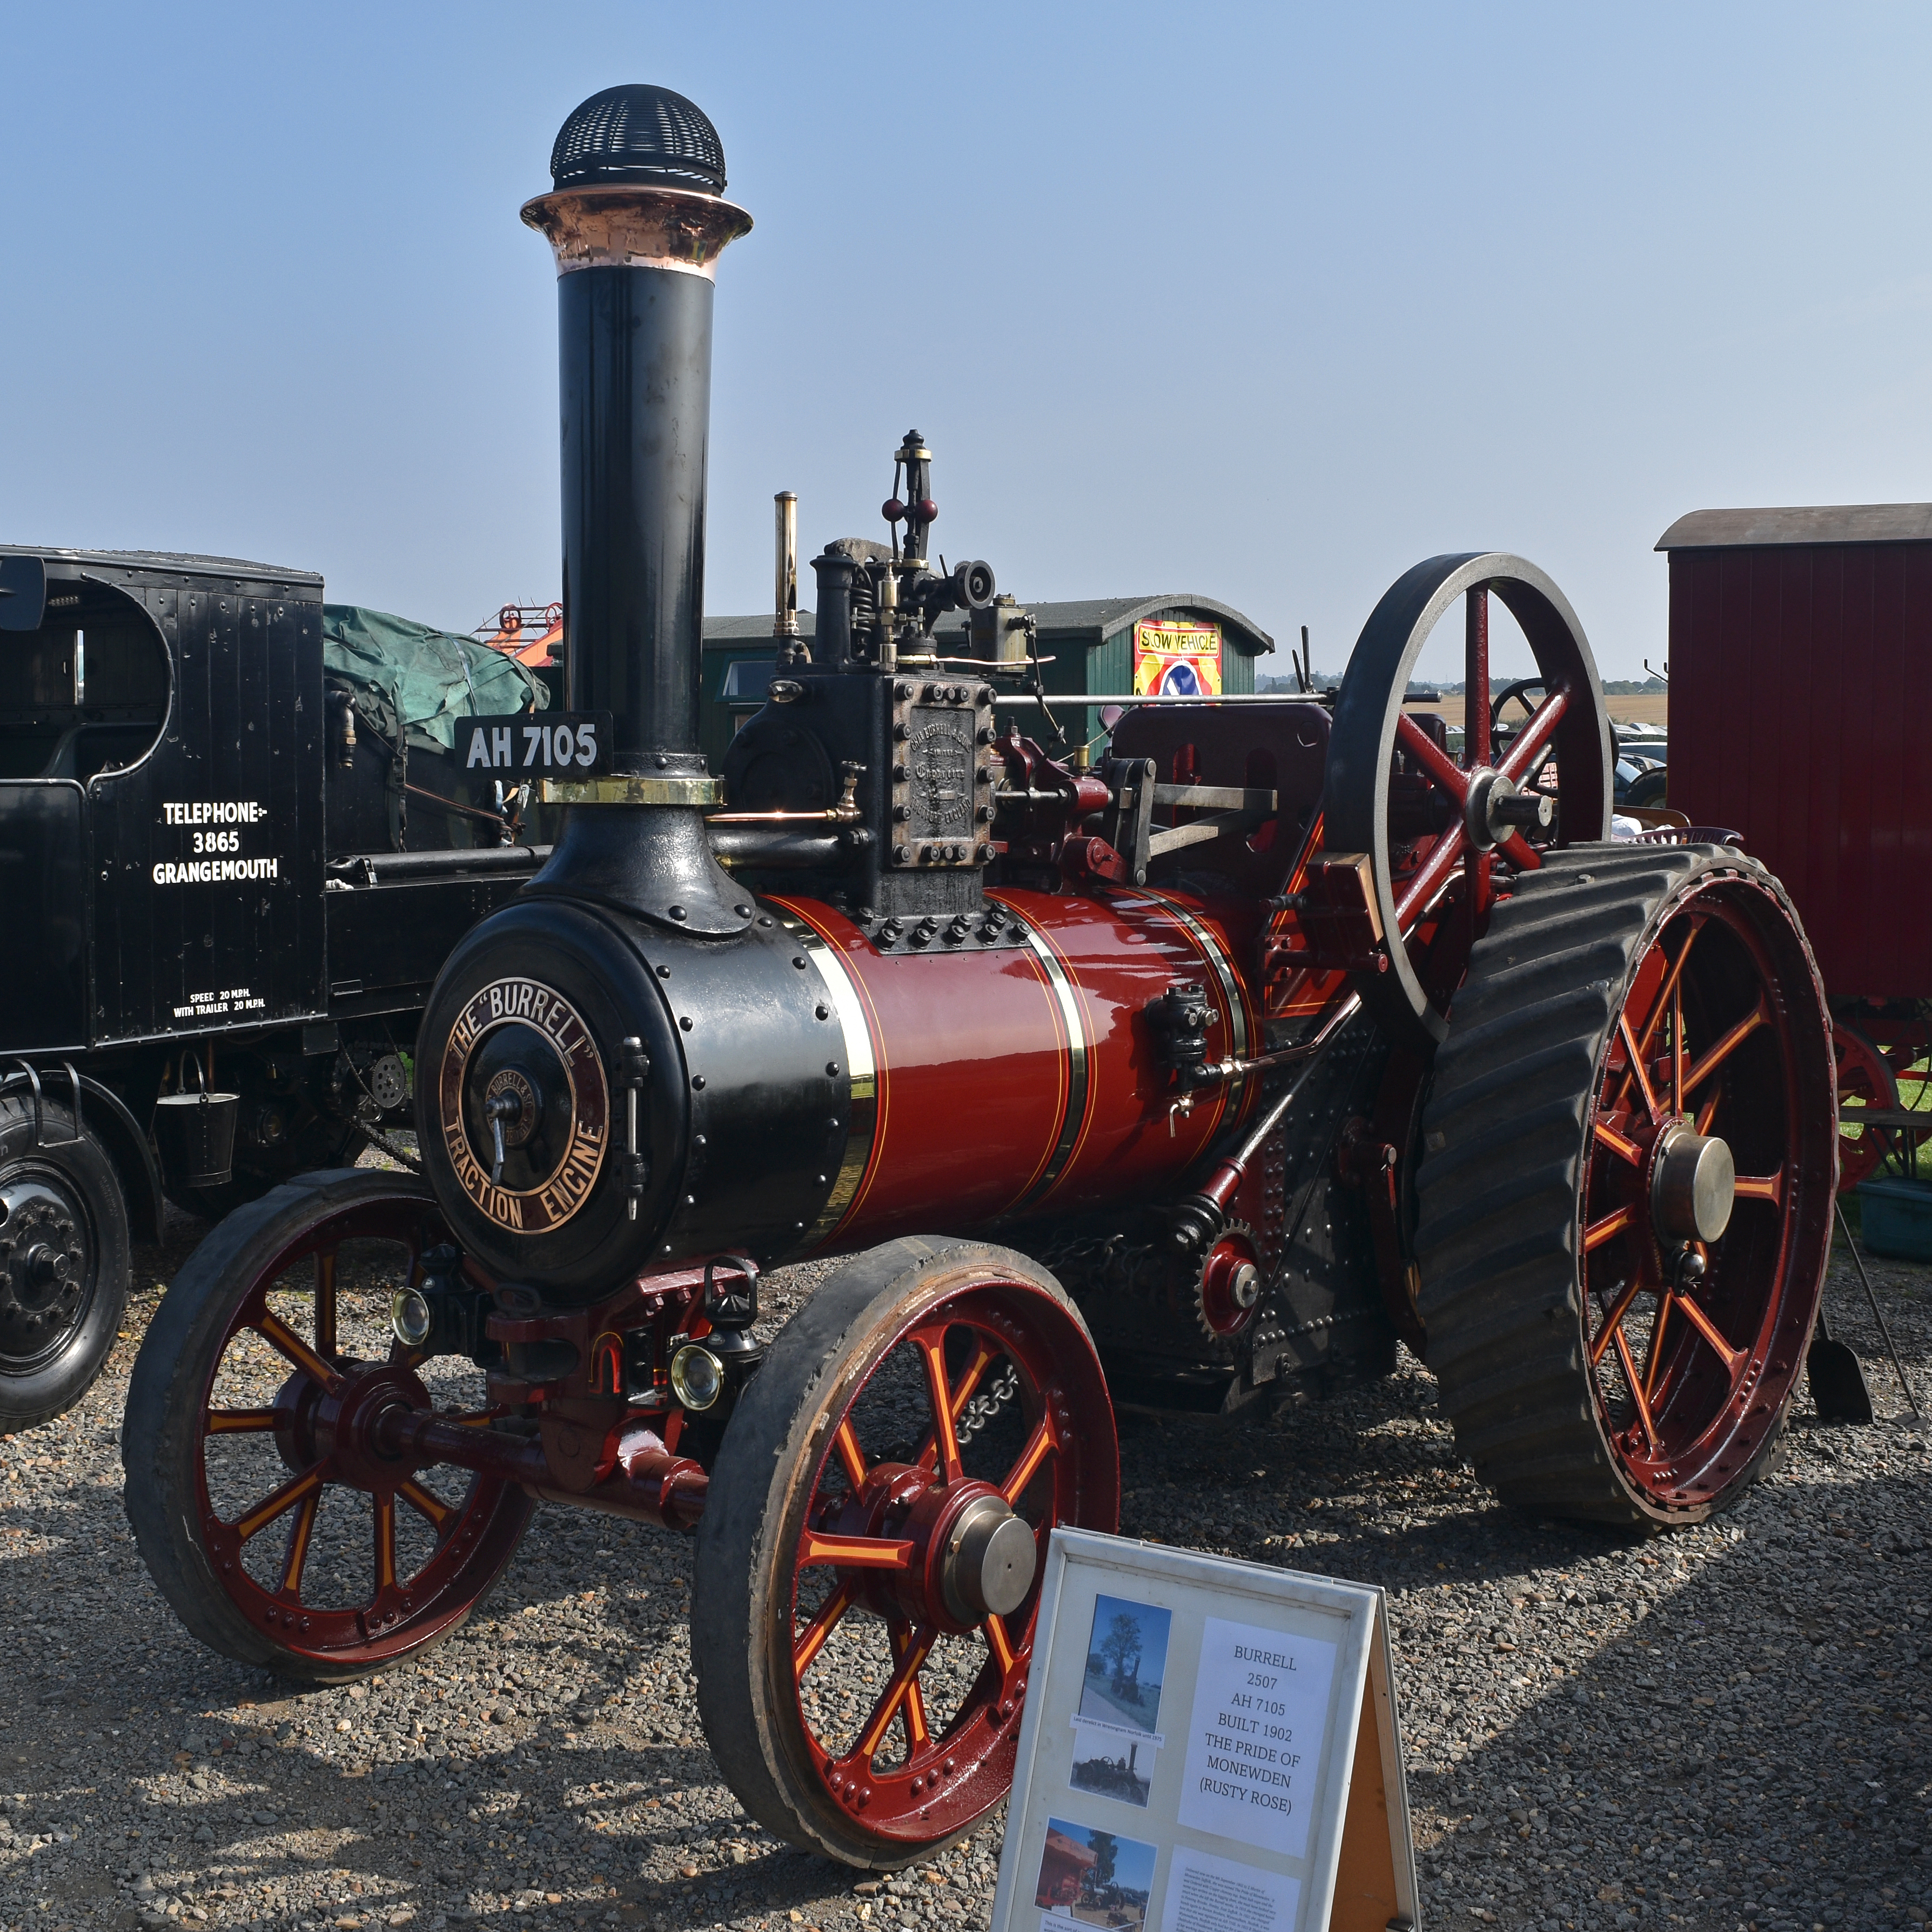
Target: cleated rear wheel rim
(1693,1341)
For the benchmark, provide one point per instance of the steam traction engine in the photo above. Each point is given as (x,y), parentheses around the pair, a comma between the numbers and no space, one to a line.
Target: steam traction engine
(1275,1034)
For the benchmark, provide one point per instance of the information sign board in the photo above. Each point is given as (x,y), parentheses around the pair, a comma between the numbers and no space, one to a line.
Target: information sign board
(1208,1746)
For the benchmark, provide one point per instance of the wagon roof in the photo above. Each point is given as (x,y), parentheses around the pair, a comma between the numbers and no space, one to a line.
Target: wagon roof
(167,562)
(1828,523)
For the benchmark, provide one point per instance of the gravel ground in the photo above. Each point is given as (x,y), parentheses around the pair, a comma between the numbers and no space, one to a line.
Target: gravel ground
(1724,1729)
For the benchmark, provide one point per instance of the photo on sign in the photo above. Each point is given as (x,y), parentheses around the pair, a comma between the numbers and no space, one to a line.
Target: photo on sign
(1113,1761)
(1127,1659)
(1088,1876)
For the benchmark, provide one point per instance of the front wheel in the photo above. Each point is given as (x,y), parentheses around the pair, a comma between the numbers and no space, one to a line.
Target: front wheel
(262,1499)
(869,1558)
(63,1261)
(1627,1186)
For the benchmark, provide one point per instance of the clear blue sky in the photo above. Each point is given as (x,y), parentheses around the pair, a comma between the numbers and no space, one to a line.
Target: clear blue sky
(1267,302)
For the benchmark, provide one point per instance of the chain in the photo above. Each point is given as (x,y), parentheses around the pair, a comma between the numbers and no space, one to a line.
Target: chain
(981,1409)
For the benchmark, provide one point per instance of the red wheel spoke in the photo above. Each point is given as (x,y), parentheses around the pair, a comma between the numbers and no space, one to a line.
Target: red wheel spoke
(1637,1395)
(903,1680)
(1758,1187)
(1647,1032)
(939,1396)
(1420,893)
(851,1457)
(1639,1072)
(286,1343)
(1528,743)
(811,1640)
(301,1534)
(426,1503)
(279,1503)
(1602,1229)
(238,1421)
(1431,757)
(961,1394)
(1040,1445)
(386,1541)
(1619,1309)
(1707,1111)
(1708,1329)
(1520,852)
(918,1733)
(1476,676)
(853,1552)
(1759,1016)
(999,1643)
(324,1304)
(1619,1144)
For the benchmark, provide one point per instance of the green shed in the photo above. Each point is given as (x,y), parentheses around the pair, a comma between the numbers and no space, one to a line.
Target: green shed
(1178,643)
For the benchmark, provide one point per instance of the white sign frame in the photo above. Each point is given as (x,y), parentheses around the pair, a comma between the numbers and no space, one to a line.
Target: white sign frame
(1212,1619)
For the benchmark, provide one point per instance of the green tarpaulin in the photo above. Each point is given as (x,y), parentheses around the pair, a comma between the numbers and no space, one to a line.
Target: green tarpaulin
(426,679)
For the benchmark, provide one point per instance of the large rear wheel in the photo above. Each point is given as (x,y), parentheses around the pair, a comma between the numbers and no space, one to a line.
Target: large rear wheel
(1630,1152)
(869,1558)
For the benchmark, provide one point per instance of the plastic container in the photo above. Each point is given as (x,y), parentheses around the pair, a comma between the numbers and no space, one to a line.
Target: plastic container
(194,1132)
(1896,1216)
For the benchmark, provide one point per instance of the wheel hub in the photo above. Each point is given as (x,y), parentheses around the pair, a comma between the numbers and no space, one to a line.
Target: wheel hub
(345,1424)
(989,1560)
(42,1267)
(1693,1184)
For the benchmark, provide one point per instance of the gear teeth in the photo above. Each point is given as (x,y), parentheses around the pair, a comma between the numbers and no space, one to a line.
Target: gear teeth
(1254,1240)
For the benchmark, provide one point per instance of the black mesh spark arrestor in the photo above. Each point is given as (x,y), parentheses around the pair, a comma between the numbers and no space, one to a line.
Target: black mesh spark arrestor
(639,133)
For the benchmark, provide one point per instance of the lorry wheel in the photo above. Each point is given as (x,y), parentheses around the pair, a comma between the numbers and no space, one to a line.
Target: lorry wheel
(879,1507)
(1629,1157)
(270,1522)
(64,1262)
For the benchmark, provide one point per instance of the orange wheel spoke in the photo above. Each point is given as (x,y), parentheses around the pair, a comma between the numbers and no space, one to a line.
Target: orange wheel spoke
(279,1503)
(1039,1446)
(1668,991)
(918,1733)
(939,1396)
(386,1541)
(1621,1145)
(1708,1110)
(426,1503)
(239,1421)
(811,1640)
(1759,1016)
(999,1643)
(854,1552)
(286,1343)
(1619,1309)
(324,1304)
(851,1457)
(1655,1359)
(962,1393)
(1636,1389)
(903,1679)
(1602,1229)
(1709,1330)
(1677,1047)
(1759,1187)
(1639,1072)
(302,1533)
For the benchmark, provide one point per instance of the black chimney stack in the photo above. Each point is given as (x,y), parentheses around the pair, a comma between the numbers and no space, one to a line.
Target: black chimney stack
(637,221)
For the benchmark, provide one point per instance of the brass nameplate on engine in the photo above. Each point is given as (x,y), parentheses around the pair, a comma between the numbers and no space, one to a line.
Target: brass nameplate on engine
(553,1149)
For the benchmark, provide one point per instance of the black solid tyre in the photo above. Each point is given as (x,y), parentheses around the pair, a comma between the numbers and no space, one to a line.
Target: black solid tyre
(762,1484)
(64,1262)
(162,1434)
(1514,1132)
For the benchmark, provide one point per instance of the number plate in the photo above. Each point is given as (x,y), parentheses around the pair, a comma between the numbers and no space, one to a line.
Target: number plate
(534,745)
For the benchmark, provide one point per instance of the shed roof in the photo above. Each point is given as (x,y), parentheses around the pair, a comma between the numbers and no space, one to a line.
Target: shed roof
(1098,617)
(1829,523)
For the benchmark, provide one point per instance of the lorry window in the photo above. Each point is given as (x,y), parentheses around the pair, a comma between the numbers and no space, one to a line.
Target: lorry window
(85,693)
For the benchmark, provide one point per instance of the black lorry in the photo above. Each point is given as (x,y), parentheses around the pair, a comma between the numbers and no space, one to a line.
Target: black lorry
(226,868)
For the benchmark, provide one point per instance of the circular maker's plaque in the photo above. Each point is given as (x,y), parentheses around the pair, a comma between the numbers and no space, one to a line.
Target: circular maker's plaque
(555,1140)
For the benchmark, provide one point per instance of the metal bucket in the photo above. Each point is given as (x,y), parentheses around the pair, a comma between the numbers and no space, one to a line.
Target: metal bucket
(195,1131)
